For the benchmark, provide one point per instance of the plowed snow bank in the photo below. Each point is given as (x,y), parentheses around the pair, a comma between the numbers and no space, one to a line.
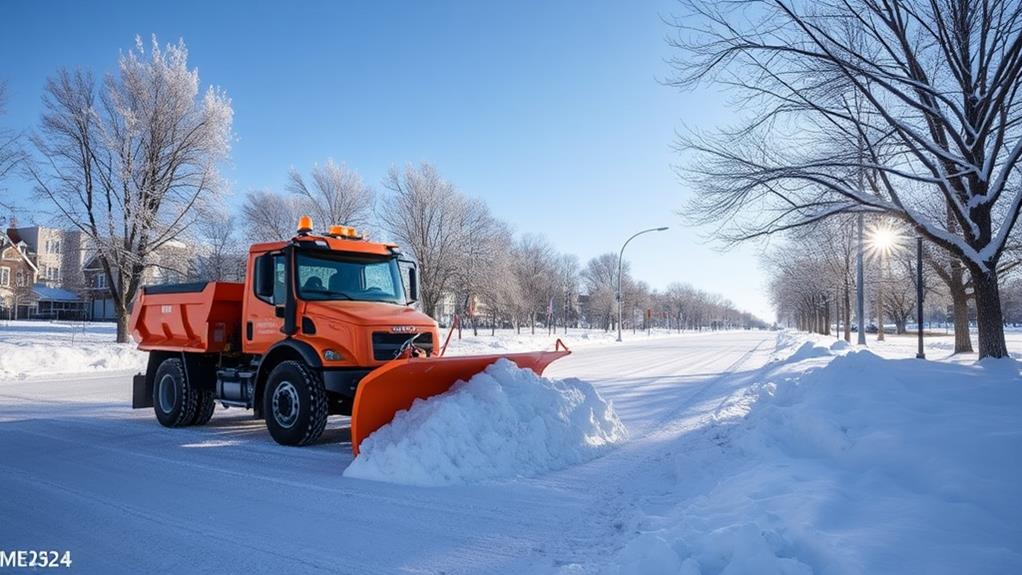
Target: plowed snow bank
(841,463)
(505,422)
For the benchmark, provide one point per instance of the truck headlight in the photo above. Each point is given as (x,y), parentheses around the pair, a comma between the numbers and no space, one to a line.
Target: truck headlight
(331,355)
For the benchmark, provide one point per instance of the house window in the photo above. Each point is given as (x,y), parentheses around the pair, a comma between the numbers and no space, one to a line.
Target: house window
(53,246)
(5,277)
(100,280)
(21,278)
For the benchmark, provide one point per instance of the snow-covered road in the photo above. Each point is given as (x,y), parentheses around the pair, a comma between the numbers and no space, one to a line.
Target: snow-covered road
(80,471)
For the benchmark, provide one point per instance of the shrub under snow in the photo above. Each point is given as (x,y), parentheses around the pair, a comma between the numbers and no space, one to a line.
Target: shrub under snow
(504,422)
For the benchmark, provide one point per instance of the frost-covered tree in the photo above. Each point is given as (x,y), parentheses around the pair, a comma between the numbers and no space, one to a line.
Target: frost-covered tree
(129,163)
(10,153)
(929,90)
(219,255)
(599,277)
(336,194)
(269,216)
(534,265)
(485,250)
(424,214)
(566,289)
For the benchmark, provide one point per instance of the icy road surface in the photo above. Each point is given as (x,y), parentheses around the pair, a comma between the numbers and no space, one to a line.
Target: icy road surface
(81,471)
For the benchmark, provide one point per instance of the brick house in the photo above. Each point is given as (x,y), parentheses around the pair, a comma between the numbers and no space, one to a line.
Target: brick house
(17,275)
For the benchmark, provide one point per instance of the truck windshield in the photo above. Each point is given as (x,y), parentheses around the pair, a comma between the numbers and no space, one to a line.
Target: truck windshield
(349,277)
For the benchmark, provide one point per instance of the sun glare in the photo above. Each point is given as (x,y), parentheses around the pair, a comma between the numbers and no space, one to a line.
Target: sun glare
(884,239)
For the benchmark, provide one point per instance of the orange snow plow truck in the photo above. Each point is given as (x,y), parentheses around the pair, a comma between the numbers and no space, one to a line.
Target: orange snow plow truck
(323,324)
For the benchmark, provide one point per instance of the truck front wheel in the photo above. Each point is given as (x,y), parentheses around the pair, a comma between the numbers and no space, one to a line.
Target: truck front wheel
(295,404)
(174,400)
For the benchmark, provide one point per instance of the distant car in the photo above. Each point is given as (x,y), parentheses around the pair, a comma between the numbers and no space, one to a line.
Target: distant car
(871,328)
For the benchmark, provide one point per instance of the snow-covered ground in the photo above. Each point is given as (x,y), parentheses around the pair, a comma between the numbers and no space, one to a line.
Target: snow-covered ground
(35,348)
(747,452)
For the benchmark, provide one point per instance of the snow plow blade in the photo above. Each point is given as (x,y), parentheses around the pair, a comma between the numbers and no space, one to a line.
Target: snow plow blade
(395,385)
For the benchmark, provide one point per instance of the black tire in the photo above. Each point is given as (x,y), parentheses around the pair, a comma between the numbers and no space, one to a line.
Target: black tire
(299,416)
(174,401)
(205,407)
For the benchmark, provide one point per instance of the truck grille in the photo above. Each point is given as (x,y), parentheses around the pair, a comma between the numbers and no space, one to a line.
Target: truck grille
(386,345)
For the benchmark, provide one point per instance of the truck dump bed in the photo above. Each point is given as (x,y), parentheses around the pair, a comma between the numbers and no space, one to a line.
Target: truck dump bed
(200,317)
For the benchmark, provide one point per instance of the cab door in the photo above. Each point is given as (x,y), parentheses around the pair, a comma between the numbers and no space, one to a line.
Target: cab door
(262,321)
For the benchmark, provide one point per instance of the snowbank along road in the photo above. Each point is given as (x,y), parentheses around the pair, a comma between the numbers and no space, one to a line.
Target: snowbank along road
(744,453)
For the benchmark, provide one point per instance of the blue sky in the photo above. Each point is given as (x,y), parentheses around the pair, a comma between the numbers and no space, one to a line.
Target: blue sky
(550,111)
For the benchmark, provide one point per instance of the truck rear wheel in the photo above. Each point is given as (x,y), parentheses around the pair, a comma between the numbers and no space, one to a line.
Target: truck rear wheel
(174,401)
(295,404)
(205,406)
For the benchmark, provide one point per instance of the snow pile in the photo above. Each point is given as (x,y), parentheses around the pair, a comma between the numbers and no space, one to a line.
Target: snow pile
(44,348)
(504,422)
(840,345)
(850,464)
(809,350)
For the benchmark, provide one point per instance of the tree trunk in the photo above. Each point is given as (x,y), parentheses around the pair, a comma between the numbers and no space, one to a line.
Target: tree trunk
(988,314)
(122,316)
(899,324)
(960,306)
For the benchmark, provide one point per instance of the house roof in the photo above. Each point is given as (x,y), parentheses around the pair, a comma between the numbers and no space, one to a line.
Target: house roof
(43,293)
(8,239)
(14,236)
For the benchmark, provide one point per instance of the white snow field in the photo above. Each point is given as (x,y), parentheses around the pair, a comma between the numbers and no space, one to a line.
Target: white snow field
(747,452)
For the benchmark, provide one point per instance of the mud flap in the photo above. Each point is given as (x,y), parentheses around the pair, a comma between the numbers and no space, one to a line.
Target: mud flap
(141,392)
(394,386)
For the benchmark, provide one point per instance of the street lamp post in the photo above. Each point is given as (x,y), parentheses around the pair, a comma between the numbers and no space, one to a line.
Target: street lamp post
(919,295)
(620,260)
(860,307)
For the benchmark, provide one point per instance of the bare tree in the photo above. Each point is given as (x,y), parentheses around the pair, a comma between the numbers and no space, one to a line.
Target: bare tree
(218,256)
(11,153)
(427,216)
(600,280)
(337,195)
(941,132)
(486,242)
(535,267)
(130,168)
(269,216)
(566,289)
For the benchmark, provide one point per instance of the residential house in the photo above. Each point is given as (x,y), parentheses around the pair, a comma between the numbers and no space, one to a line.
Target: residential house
(169,264)
(17,275)
(58,254)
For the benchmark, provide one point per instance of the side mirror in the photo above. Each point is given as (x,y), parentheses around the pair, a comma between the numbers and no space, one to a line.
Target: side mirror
(264,276)
(412,285)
